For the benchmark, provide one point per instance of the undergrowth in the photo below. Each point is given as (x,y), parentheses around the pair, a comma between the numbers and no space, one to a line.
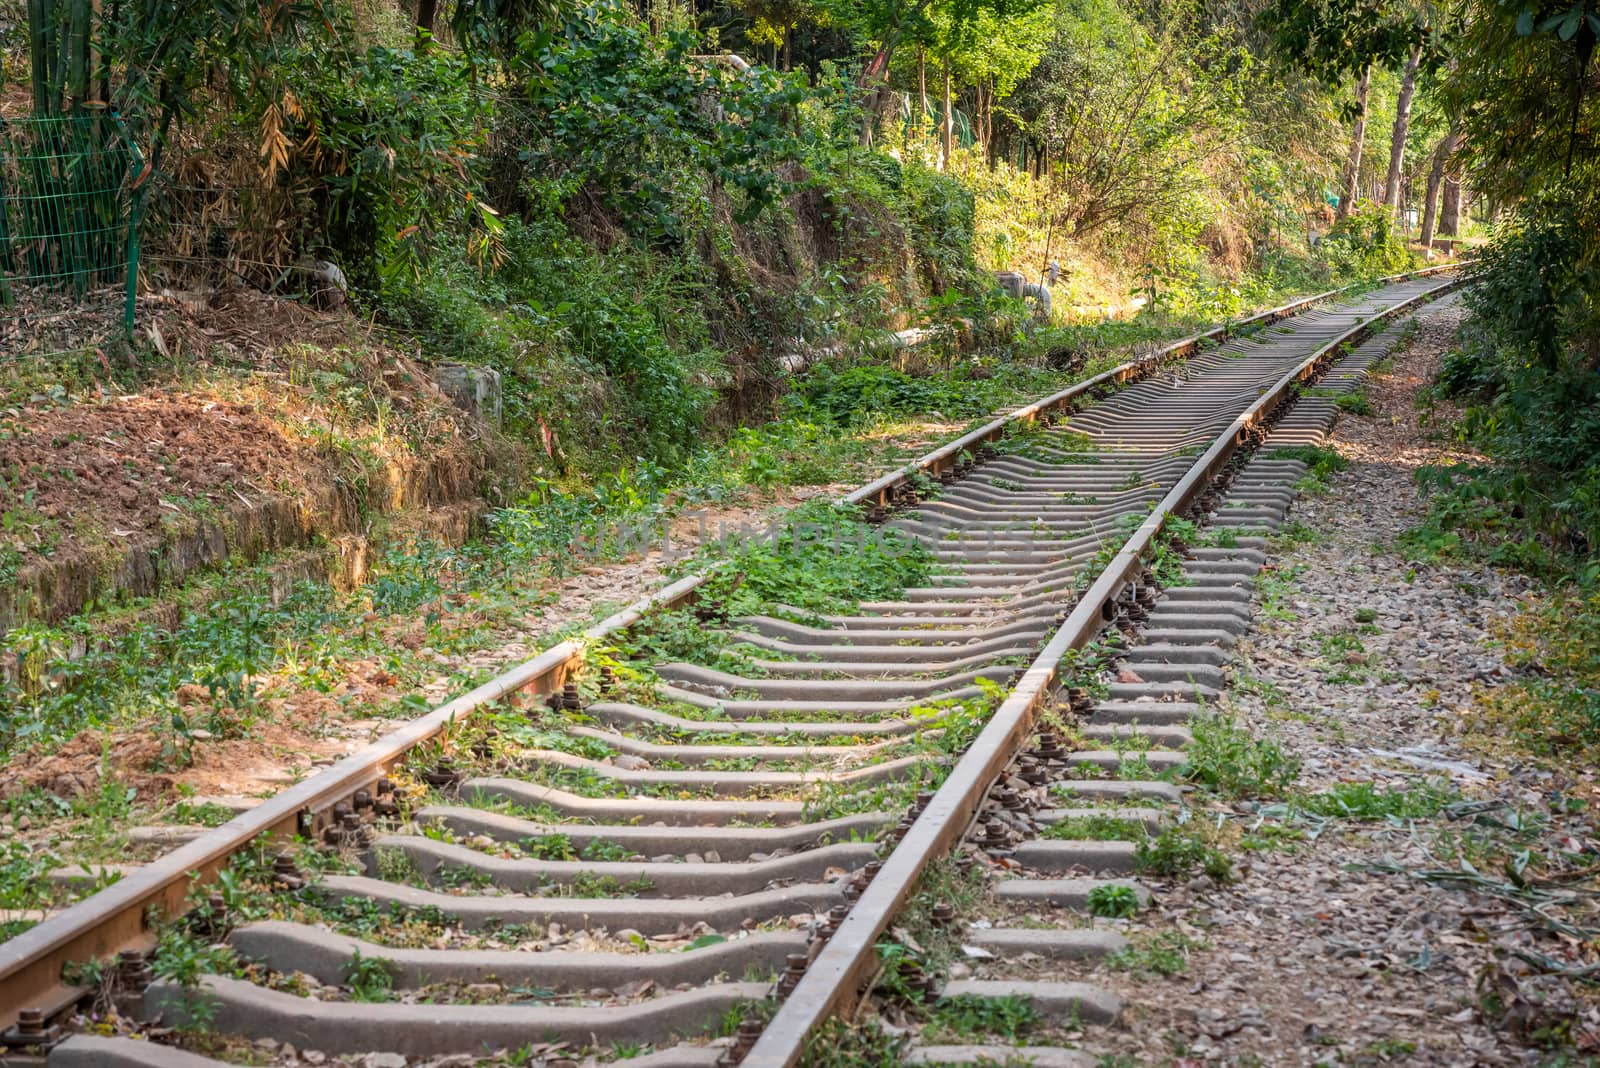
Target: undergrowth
(1226,757)
(1550,708)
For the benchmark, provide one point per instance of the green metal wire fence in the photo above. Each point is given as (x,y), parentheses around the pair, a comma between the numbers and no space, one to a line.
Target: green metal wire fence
(69,232)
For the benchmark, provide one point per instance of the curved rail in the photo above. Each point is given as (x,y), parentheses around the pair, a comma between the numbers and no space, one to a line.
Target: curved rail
(116,918)
(836,976)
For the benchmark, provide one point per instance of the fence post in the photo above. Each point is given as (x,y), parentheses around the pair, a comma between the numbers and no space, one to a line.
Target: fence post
(136,177)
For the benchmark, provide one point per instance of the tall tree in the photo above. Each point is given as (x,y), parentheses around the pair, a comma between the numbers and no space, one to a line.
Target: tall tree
(1442,152)
(1523,87)
(1350,184)
(1397,137)
(1337,39)
(882,26)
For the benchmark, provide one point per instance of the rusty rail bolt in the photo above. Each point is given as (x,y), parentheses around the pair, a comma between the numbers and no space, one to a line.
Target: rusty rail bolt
(286,873)
(30,1032)
(608,678)
(212,919)
(553,702)
(334,833)
(1009,798)
(386,806)
(943,913)
(133,971)
(1035,774)
(995,835)
(355,833)
(571,700)
(872,869)
(794,969)
(744,1040)
(443,773)
(362,800)
(830,927)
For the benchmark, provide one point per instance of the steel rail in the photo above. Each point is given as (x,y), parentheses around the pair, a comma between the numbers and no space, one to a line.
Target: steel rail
(941,459)
(120,916)
(833,982)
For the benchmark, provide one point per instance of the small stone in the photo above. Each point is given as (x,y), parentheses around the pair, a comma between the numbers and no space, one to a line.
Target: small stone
(268,1044)
(314,1056)
(713,857)
(693,858)
(383,1060)
(629,762)
(484,991)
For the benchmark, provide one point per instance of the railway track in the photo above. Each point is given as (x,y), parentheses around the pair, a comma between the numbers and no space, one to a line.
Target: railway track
(682,838)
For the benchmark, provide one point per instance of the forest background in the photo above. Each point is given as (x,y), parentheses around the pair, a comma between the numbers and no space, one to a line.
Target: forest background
(683,236)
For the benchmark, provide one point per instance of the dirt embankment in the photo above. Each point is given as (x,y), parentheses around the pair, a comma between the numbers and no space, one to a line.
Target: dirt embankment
(125,495)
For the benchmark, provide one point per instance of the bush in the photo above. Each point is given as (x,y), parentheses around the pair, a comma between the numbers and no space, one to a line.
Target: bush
(1365,244)
(1225,756)
(388,139)
(1528,370)
(644,126)
(1535,284)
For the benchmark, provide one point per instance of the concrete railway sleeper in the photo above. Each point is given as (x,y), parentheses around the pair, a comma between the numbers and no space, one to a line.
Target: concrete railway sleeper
(1015,848)
(699,858)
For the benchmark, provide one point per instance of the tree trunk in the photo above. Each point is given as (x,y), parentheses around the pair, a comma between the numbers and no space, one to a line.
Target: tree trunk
(1350,183)
(1402,121)
(427,13)
(949,132)
(922,90)
(42,50)
(987,92)
(1430,203)
(1450,208)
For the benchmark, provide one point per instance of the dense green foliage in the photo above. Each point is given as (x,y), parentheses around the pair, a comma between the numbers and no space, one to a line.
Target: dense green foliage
(633,225)
(1528,371)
